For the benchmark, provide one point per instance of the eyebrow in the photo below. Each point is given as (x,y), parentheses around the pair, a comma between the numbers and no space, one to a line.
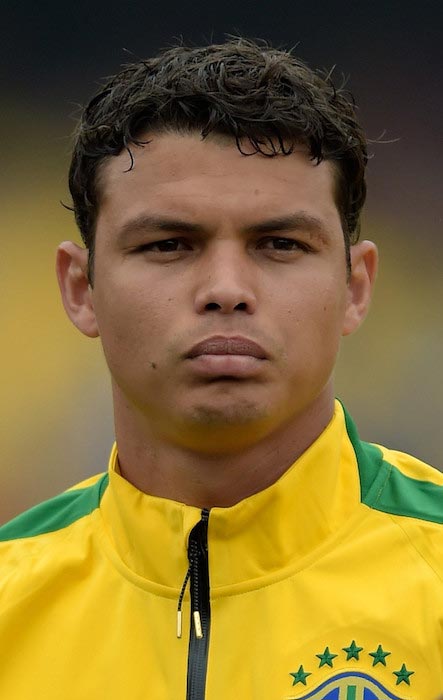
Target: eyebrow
(166,224)
(298,221)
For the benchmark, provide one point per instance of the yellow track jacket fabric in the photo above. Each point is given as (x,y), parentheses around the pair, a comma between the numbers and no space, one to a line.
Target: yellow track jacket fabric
(327,585)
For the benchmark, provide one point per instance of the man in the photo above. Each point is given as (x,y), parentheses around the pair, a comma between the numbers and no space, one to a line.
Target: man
(244,542)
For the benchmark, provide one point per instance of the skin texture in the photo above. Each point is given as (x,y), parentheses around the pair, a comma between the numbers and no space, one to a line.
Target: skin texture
(186,429)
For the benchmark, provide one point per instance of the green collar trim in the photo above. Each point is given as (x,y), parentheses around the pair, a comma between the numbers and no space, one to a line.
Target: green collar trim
(56,513)
(384,487)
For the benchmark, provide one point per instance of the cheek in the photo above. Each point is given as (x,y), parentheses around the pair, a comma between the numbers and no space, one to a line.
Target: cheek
(315,311)
(131,323)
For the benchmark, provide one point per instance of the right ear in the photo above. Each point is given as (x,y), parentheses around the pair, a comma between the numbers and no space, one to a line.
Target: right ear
(72,275)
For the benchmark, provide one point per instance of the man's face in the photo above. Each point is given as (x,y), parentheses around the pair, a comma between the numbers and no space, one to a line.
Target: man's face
(198,241)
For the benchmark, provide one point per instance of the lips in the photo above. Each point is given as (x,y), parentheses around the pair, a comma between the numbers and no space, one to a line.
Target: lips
(221,345)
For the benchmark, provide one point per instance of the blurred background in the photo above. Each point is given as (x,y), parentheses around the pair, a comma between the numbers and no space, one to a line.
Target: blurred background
(55,414)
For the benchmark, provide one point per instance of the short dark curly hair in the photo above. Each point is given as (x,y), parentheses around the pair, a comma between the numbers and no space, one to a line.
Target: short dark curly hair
(246,89)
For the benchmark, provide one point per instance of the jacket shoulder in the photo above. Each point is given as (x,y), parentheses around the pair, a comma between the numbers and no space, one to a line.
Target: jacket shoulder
(405,486)
(407,490)
(57,513)
(395,482)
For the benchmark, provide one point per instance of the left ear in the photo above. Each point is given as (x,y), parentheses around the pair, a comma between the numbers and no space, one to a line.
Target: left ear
(364,263)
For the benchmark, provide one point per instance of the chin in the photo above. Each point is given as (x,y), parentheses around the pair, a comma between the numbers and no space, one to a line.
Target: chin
(238,413)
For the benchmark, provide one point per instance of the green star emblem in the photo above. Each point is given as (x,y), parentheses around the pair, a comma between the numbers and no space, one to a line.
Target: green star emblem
(403,675)
(300,676)
(379,656)
(326,658)
(352,651)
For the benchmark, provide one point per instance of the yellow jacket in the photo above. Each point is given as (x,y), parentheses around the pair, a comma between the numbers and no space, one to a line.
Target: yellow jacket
(327,585)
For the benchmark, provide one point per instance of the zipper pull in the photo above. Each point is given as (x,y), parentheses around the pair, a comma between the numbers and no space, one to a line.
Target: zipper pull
(197,624)
(179,624)
(180,603)
(197,547)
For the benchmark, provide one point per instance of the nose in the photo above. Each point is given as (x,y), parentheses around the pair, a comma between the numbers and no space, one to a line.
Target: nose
(225,283)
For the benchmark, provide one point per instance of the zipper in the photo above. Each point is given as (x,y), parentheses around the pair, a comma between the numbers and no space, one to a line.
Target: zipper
(198,576)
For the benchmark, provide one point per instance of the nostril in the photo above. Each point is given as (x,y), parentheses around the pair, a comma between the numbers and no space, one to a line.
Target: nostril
(213,306)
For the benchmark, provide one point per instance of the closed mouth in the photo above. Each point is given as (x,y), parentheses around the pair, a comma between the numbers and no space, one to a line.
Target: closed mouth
(222,345)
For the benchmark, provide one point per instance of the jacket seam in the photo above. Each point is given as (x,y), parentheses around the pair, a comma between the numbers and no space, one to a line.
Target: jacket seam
(414,546)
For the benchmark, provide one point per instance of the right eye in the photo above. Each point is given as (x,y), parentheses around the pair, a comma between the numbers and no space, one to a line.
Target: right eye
(168,245)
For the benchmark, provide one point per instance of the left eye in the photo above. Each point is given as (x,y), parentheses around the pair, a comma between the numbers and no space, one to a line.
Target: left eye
(281,244)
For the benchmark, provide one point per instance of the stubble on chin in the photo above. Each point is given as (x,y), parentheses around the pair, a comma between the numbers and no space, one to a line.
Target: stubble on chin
(228,413)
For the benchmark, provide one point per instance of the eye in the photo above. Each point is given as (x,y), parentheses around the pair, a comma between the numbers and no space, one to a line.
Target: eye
(169,245)
(282,244)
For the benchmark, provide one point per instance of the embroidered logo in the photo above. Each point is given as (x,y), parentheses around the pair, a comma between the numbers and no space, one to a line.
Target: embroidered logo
(348,684)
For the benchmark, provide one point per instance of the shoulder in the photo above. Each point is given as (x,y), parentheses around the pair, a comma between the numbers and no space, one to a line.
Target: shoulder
(405,489)
(402,485)
(412,493)
(39,547)
(395,482)
(57,513)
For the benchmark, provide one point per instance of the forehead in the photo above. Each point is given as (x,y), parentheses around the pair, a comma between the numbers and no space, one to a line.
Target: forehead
(182,173)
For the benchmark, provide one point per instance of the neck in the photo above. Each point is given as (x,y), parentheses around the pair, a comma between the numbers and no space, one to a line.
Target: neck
(160,468)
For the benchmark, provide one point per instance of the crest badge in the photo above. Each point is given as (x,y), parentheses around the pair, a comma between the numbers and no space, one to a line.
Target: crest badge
(348,683)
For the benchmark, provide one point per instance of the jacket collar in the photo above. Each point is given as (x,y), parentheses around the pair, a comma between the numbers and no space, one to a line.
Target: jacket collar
(261,537)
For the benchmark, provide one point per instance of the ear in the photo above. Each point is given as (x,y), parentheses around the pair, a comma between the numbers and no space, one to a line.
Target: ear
(72,275)
(364,263)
